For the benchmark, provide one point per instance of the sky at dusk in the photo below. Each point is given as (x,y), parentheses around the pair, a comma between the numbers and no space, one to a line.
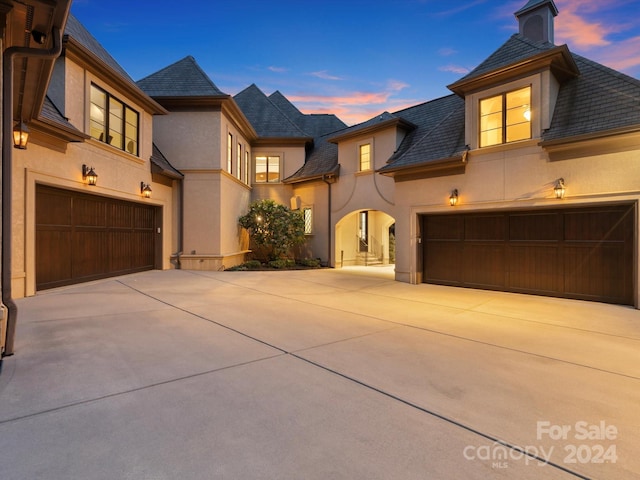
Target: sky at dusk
(354,58)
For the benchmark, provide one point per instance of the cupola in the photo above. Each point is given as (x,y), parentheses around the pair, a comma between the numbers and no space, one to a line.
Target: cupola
(536,20)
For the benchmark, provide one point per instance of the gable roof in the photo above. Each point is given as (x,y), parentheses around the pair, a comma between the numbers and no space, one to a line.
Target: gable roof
(183,78)
(267,119)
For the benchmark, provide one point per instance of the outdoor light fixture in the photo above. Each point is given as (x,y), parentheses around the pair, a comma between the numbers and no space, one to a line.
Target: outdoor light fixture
(39,37)
(20,136)
(145,190)
(559,189)
(453,199)
(89,175)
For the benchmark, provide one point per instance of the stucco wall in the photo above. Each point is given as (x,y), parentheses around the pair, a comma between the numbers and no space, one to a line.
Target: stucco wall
(119,173)
(512,177)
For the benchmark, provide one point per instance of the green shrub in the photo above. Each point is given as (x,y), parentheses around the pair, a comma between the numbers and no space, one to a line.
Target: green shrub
(310,262)
(282,263)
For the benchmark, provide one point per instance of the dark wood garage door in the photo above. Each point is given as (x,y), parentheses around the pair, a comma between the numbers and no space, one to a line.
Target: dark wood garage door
(583,253)
(82,237)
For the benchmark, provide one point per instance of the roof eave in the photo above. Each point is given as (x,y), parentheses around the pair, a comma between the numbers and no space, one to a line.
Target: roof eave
(358,132)
(598,143)
(434,168)
(77,52)
(558,59)
(326,176)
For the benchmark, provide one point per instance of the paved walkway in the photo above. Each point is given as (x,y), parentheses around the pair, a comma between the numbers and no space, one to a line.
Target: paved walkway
(317,375)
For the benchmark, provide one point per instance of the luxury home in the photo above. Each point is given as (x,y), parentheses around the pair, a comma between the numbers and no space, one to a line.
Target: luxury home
(526,178)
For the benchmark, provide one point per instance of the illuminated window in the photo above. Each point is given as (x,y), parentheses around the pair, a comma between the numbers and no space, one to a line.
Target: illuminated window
(307,212)
(365,157)
(267,169)
(505,118)
(113,122)
(246,167)
(230,153)
(238,161)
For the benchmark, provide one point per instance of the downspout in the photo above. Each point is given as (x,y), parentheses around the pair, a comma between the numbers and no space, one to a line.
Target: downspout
(7,166)
(329,180)
(180,224)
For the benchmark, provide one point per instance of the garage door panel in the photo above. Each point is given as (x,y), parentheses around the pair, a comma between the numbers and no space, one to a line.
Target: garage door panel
(89,252)
(485,227)
(443,262)
(535,227)
(577,252)
(53,254)
(598,271)
(534,268)
(102,237)
(487,265)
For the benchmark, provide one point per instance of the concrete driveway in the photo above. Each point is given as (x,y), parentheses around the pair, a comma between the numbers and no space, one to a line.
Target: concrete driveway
(323,374)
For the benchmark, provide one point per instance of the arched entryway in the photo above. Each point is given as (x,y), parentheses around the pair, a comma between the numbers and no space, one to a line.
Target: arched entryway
(365,238)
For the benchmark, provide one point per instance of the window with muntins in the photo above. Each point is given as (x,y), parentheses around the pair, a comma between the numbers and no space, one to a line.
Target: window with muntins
(267,169)
(505,118)
(364,152)
(307,213)
(113,122)
(238,162)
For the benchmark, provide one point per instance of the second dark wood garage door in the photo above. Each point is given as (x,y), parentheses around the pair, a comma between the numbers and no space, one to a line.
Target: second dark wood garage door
(82,237)
(583,253)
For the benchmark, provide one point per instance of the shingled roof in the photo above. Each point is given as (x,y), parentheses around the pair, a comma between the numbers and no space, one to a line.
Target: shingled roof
(162,166)
(183,78)
(322,156)
(78,32)
(439,133)
(592,99)
(599,100)
(267,119)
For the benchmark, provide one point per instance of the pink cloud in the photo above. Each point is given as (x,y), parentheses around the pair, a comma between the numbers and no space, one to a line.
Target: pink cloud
(355,107)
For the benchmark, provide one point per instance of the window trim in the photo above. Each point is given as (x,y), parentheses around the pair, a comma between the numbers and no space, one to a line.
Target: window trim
(305,209)
(106,124)
(504,113)
(369,144)
(267,156)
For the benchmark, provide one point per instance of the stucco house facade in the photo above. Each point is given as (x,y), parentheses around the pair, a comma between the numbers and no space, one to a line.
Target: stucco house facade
(526,178)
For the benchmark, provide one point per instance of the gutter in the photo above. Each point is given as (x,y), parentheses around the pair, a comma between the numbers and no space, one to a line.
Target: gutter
(7,169)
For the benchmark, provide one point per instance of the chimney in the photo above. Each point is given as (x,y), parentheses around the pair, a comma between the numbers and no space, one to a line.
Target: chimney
(536,20)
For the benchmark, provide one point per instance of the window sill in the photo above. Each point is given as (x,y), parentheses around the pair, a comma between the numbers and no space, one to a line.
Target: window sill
(364,172)
(533,142)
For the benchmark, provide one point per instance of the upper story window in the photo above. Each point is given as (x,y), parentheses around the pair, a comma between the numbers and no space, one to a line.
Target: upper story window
(245,173)
(230,153)
(364,155)
(239,161)
(113,122)
(506,117)
(267,169)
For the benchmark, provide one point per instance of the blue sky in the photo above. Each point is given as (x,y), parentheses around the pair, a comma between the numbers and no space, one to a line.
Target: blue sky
(354,58)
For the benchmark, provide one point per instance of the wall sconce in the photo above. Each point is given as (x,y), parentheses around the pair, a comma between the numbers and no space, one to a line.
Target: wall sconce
(89,175)
(560,188)
(145,190)
(453,199)
(20,136)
